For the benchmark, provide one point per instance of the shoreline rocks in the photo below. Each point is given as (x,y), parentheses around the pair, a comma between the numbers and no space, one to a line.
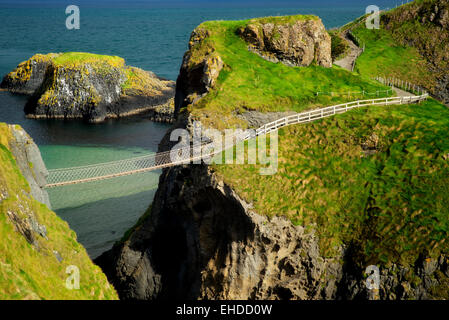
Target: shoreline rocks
(163,113)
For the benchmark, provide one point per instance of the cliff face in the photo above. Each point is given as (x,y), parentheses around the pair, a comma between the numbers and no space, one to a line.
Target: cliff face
(92,87)
(201,240)
(199,71)
(297,44)
(37,248)
(30,163)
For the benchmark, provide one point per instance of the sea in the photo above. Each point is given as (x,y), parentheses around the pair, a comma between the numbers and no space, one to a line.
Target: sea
(149,34)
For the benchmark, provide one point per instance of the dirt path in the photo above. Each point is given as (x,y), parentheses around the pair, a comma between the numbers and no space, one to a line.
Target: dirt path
(349,60)
(402,93)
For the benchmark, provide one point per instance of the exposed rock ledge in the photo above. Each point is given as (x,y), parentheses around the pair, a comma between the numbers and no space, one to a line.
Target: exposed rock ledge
(298,43)
(87,86)
(164,113)
(30,163)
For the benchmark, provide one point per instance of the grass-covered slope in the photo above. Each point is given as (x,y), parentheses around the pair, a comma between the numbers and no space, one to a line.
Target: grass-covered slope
(375,177)
(248,82)
(412,43)
(36,271)
(384,56)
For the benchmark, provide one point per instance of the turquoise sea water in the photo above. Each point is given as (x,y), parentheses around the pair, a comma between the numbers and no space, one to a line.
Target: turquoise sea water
(149,37)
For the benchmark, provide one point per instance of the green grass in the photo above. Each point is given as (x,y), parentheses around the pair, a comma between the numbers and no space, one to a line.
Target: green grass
(249,82)
(79,58)
(384,56)
(140,82)
(391,206)
(30,273)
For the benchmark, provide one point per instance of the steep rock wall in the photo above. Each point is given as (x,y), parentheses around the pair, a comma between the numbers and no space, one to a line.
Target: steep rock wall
(30,163)
(202,241)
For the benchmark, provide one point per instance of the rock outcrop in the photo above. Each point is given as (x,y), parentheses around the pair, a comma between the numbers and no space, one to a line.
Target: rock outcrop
(81,85)
(29,160)
(301,43)
(200,68)
(164,113)
(430,19)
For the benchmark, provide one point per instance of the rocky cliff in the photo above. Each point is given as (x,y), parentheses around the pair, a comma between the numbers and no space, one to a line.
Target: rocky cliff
(298,43)
(82,85)
(203,240)
(29,160)
(39,253)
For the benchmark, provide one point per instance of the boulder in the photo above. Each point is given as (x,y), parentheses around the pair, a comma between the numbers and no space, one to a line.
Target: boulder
(301,43)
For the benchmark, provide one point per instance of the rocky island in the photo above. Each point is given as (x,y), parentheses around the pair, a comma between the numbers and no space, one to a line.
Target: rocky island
(87,86)
(349,192)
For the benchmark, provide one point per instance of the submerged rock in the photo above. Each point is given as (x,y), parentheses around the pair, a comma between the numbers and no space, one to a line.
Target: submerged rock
(88,86)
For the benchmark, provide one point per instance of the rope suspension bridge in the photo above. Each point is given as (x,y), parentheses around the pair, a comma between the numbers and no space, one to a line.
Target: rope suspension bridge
(102,171)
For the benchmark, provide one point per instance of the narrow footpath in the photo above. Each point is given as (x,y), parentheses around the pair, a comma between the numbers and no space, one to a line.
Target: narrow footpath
(349,60)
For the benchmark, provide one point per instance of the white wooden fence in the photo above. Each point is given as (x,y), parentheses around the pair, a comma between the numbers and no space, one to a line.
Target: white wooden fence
(401,84)
(312,115)
(352,93)
(68,176)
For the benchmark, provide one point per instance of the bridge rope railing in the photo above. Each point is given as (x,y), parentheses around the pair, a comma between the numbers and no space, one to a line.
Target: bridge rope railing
(187,154)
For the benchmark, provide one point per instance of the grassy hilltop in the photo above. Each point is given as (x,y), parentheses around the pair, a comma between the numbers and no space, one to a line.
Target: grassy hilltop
(249,82)
(33,271)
